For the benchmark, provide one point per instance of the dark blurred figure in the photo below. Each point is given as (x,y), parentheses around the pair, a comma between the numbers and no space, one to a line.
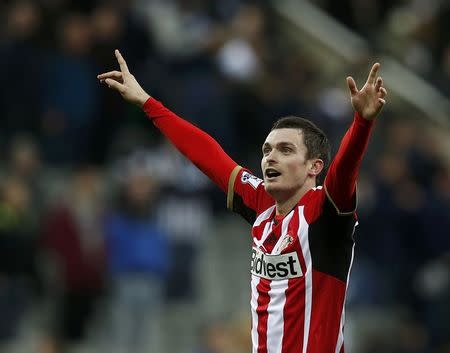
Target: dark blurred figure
(405,227)
(70,96)
(184,212)
(138,260)
(20,209)
(113,26)
(393,233)
(432,283)
(24,163)
(360,15)
(21,198)
(72,241)
(20,88)
(18,230)
(186,38)
(442,73)
(241,60)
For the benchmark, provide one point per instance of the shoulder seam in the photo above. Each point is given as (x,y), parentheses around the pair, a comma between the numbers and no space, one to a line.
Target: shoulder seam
(339,212)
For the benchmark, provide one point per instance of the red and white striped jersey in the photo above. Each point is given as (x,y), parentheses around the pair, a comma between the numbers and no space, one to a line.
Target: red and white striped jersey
(299,268)
(300,263)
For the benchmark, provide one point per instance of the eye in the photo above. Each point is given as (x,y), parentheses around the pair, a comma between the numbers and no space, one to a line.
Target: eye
(286,150)
(266,150)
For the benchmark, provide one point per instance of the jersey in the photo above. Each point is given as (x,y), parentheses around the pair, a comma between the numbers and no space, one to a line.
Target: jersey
(300,264)
(299,268)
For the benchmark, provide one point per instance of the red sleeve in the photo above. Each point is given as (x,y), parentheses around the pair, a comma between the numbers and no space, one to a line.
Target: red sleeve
(195,144)
(340,182)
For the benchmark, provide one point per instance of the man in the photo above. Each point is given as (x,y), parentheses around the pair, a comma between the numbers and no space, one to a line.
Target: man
(302,233)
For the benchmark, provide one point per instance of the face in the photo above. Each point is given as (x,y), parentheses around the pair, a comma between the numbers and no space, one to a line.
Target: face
(140,190)
(284,164)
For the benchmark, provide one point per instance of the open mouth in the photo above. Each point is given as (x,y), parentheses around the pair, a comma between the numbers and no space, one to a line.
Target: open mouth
(272,173)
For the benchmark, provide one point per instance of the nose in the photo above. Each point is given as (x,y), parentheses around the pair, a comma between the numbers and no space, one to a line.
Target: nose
(271,157)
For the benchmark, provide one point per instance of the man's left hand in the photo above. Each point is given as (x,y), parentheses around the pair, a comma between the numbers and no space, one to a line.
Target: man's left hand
(370,99)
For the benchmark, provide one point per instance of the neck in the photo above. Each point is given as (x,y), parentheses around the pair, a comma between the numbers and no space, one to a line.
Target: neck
(285,204)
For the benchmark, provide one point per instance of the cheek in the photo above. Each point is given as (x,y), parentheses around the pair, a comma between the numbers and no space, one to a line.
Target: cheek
(296,171)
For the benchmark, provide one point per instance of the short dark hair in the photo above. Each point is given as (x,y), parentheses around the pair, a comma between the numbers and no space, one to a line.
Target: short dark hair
(315,140)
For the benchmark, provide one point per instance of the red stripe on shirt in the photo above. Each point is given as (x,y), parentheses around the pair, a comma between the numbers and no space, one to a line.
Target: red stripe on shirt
(294,323)
(263,289)
(327,306)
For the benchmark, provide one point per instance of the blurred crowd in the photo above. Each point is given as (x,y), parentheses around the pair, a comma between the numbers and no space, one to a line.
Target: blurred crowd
(416,32)
(102,223)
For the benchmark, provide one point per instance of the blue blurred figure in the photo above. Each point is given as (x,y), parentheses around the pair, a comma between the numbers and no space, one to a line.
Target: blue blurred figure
(138,261)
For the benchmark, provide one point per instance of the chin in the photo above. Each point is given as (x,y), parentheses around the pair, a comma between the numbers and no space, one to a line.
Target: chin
(281,191)
(273,189)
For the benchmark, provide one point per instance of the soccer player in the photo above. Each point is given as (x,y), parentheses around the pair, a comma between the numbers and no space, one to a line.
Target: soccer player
(303,234)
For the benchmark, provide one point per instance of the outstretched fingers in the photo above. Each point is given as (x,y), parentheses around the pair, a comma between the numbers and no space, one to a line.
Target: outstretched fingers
(115,85)
(122,62)
(352,85)
(373,73)
(117,75)
(378,84)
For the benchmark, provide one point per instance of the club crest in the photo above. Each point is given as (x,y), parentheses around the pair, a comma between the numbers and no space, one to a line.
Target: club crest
(285,242)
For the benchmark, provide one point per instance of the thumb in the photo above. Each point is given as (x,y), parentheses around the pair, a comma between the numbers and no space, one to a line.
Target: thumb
(352,86)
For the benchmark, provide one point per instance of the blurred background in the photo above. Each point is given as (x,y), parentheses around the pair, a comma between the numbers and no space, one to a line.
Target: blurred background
(111,242)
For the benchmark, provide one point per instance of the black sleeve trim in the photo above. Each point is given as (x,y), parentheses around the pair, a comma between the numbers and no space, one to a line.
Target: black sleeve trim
(246,212)
(230,193)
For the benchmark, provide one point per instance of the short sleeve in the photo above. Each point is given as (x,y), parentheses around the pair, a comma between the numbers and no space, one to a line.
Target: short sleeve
(246,194)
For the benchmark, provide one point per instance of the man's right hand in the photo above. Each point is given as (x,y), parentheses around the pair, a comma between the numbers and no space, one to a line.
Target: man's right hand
(124,82)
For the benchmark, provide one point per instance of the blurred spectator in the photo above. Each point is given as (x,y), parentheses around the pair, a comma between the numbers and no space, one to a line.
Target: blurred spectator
(432,281)
(186,39)
(221,335)
(70,95)
(184,212)
(241,57)
(112,27)
(405,225)
(20,198)
(72,241)
(215,337)
(442,77)
(182,29)
(24,163)
(138,261)
(21,88)
(18,230)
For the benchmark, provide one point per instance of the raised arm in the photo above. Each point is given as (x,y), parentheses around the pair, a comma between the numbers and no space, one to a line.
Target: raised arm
(340,182)
(195,144)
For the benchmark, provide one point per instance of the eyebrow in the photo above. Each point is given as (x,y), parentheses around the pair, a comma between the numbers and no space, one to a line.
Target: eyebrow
(280,144)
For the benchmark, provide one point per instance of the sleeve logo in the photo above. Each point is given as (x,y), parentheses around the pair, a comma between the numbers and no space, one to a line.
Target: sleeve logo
(247,178)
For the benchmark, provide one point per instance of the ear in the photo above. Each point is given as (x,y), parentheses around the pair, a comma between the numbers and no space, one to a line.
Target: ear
(316,167)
